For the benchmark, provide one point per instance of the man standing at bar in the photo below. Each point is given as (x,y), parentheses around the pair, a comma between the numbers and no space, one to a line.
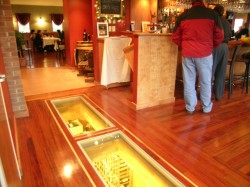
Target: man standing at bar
(197,31)
(220,55)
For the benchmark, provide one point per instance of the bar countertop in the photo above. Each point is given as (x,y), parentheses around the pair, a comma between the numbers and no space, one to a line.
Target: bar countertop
(139,33)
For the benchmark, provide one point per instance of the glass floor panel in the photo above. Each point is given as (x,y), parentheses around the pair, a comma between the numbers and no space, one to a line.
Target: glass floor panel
(121,163)
(79,116)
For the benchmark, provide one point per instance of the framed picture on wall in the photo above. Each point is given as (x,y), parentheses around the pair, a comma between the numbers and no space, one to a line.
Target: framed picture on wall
(102,29)
(144,26)
(110,8)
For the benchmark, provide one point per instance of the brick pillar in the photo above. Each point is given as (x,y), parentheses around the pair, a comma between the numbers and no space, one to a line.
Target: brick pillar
(11,60)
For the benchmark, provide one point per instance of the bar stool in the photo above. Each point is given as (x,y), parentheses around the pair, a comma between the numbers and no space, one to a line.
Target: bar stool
(246,57)
(231,63)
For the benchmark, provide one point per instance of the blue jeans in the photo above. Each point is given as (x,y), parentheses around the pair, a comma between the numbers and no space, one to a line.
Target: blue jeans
(220,56)
(202,66)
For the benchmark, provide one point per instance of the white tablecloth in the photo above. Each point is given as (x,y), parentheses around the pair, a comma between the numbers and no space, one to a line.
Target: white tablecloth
(49,40)
(114,67)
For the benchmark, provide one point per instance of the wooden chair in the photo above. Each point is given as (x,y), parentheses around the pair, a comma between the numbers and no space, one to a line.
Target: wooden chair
(60,49)
(27,49)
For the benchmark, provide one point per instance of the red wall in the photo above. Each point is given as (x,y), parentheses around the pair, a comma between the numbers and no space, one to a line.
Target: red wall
(80,15)
(121,25)
(77,17)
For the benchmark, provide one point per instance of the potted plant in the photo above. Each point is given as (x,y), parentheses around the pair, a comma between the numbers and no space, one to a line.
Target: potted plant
(20,42)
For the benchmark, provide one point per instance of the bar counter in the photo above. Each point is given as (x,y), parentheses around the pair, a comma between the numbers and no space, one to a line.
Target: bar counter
(154,68)
(155,62)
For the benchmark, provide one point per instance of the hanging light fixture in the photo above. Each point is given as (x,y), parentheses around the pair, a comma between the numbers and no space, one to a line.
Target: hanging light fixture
(241,6)
(40,21)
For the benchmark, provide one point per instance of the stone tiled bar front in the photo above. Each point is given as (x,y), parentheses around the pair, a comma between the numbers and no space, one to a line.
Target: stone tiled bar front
(155,62)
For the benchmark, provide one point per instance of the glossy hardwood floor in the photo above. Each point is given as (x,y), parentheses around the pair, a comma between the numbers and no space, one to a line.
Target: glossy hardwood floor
(42,59)
(199,149)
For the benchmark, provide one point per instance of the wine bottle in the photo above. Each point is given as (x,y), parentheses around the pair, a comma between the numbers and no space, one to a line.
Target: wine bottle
(85,36)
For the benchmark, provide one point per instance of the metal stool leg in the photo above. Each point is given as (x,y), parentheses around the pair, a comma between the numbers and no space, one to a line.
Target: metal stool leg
(247,73)
(230,91)
(244,79)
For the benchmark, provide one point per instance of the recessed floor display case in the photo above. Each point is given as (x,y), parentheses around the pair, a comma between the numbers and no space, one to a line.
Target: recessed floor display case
(121,163)
(79,116)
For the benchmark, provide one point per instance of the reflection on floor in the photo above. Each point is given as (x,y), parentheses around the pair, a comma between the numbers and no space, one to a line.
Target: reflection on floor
(47,73)
(46,80)
(209,149)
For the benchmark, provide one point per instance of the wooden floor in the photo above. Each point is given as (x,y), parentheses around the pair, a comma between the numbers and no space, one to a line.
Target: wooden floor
(199,149)
(65,78)
(42,59)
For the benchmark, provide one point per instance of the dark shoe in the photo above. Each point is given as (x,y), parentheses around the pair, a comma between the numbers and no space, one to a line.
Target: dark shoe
(217,99)
(190,112)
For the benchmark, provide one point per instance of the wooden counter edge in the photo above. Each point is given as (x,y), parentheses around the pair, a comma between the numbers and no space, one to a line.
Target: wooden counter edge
(139,33)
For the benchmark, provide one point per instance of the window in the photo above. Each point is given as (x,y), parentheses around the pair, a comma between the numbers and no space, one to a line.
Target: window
(237,24)
(56,27)
(23,28)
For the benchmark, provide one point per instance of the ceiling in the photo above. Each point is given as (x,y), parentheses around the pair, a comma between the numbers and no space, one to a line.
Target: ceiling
(37,2)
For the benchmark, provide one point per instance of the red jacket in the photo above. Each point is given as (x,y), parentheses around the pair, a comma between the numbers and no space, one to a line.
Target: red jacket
(197,31)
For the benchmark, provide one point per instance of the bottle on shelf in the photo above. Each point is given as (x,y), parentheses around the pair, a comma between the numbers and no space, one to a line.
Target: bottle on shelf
(85,36)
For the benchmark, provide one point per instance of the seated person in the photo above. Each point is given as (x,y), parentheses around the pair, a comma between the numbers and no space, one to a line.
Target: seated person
(60,35)
(32,34)
(242,32)
(45,33)
(38,41)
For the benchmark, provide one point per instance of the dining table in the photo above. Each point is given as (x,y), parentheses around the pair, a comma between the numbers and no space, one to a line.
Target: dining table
(50,41)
